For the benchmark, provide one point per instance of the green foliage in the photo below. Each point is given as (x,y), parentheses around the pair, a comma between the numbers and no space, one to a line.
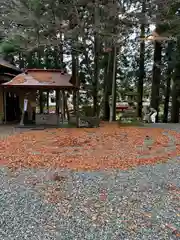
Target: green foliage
(7,47)
(45,33)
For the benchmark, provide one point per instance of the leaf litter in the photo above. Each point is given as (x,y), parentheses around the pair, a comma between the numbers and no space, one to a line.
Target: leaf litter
(109,147)
(94,149)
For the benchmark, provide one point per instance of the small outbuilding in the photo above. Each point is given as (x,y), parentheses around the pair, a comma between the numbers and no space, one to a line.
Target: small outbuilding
(35,84)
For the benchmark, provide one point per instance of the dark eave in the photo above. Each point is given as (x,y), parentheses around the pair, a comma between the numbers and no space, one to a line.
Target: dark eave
(6,67)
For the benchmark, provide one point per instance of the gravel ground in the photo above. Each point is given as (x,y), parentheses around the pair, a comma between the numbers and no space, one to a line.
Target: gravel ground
(172,126)
(137,204)
(142,203)
(7,130)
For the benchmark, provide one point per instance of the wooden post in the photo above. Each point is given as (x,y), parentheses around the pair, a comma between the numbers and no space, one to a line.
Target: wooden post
(41,101)
(4,103)
(62,106)
(57,106)
(60,103)
(47,102)
(66,107)
(22,119)
(23,113)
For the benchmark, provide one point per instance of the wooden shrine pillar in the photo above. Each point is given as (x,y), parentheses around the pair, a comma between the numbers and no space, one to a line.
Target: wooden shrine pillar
(4,106)
(41,101)
(66,106)
(25,106)
(62,107)
(57,106)
(47,101)
(64,103)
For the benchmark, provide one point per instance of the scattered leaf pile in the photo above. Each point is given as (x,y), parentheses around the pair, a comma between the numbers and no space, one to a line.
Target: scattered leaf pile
(89,149)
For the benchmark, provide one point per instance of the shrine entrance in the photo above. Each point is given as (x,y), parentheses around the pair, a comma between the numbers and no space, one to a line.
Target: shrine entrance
(13,112)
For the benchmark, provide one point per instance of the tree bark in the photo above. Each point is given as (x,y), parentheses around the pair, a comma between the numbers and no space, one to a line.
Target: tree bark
(77,92)
(114,86)
(175,103)
(61,51)
(176,88)
(141,67)
(168,82)
(96,60)
(21,61)
(156,77)
(55,56)
(75,81)
(108,85)
(30,60)
(47,60)
(74,77)
(106,111)
(96,76)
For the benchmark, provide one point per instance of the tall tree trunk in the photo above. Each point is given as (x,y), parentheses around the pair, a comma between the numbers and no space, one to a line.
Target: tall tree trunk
(176,88)
(156,77)
(175,103)
(77,91)
(61,52)
(75,81)
(38,50)
(30,60)
(168,81)
(114,85)
(39,58)
(21,61)
(74,77)
(141,67)
(96,60)
(55,56)
(75,64)
(96,76)
(39,66)
(108,85)
(47,60)
(106,110)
